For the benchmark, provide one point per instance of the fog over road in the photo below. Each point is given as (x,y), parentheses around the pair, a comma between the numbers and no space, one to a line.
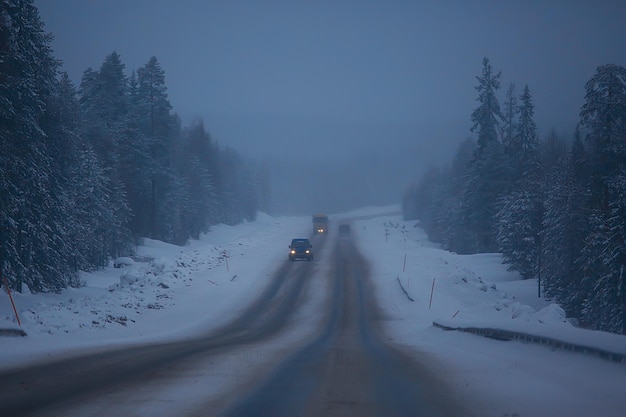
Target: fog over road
(339,362)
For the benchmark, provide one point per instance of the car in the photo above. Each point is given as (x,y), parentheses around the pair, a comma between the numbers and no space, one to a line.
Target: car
(300,249)
(344,230)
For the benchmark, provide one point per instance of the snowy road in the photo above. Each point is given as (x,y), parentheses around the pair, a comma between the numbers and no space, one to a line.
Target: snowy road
(348,370)
(337,364)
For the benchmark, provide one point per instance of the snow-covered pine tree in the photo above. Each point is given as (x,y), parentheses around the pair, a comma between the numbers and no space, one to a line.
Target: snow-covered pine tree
(488,176)
(157,128)
(604,254)
(448,224)
(519,224)
(103,98)
(134,165)
(60,123)
(602,263)
(195,161)
(85,215)
(104,106)
(603,114)
(520,211)
(28,242)
(565,224)
(486,117)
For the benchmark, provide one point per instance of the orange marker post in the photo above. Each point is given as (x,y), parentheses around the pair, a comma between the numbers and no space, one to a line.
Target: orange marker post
(6,285)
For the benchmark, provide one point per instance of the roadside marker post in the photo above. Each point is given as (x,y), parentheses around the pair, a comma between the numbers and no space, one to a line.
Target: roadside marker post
(432,290)
(6,286)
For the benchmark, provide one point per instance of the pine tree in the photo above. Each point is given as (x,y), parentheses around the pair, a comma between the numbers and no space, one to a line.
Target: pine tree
(156,127)
(436,201)
(104,106)
(28,244)
(449,218)
(486,117)
(488,177)
(195,161)
(602,262)
(520,211)
(60,124)
(603,257)
(564,228)
(519,225)
(84,214)
(103,98)
(135,164)
(603,114)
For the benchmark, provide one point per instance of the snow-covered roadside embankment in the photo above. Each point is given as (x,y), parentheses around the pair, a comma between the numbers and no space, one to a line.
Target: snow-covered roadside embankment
(166,291)
(472,293)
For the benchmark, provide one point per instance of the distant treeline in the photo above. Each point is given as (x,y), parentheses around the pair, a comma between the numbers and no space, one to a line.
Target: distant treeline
(556,210)
(85,174)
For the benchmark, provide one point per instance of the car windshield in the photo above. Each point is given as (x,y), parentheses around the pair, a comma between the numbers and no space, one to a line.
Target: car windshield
(300,243)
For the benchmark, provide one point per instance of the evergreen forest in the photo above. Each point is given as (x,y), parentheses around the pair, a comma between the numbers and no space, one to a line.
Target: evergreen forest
(555,209)
(86,172)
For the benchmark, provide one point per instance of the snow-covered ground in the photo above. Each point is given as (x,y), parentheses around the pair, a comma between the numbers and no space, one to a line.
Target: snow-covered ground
(497,378)
(170,291)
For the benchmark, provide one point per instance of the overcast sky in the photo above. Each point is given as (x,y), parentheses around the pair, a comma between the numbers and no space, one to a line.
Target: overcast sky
(341,76)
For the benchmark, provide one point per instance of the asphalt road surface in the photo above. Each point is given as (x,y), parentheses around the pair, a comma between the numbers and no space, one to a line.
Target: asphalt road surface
(343,367)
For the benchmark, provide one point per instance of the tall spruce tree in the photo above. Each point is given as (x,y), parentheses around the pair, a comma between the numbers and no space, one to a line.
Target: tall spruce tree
(29,240)
(488,176)
(564,226)
(519,226)
(156,127)
(134,164)
(60,123)
(603,115)
(520,211)
(104,105)
(103,98)
(603,257)
(195,161)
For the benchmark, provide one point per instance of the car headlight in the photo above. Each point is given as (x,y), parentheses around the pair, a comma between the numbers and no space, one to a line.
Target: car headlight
(293,252)
(307,251)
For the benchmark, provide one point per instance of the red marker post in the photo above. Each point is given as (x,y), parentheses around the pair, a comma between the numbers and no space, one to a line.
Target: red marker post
(6,286)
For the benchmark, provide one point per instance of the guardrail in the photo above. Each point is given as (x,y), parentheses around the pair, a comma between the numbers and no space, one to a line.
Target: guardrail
(505,335)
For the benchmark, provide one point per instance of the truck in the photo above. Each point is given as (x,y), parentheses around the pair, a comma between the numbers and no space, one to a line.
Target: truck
(320,224)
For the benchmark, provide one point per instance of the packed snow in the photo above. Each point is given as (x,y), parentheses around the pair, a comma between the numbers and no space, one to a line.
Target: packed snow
(166,292)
